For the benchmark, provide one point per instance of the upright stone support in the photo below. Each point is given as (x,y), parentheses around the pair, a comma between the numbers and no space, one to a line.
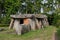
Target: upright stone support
(25,28)
(17,26)
(37,24)
(40,24)
(32,24)
(11,24)
(45,22)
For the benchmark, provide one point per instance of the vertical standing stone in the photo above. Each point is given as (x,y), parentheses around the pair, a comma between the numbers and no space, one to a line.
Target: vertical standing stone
(11,24)
(17,26)
(40,24)
(45,22)
(25,28)
(37,24)
(32,24)
(28,27)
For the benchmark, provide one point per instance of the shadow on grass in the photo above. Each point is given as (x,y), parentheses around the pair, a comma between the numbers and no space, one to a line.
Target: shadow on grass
(57,34)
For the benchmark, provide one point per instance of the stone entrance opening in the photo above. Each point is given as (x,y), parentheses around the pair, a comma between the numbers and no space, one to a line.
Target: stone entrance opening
(21,21)
(26,21)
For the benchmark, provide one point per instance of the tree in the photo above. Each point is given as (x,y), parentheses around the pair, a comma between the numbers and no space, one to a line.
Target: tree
(1,9)
(27,6)
(10,7)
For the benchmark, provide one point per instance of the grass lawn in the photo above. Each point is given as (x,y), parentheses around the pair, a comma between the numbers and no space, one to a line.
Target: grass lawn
(42,34)
(58,34)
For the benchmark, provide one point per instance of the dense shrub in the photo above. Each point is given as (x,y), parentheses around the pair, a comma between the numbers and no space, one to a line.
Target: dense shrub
(56,20)
(4,25)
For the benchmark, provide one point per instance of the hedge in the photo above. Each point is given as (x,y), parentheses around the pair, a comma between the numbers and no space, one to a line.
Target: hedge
(4,25)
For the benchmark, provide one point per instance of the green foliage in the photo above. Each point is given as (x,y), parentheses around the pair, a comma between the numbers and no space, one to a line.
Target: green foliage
(10,7)
(31,7)
(4,25)
(58,33)
(56,20)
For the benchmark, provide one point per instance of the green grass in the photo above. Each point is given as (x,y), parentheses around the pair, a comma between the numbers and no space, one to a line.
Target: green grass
(58,33)
(42,34)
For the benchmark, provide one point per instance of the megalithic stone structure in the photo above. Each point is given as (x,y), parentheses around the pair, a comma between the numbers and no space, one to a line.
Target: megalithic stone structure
(26,22)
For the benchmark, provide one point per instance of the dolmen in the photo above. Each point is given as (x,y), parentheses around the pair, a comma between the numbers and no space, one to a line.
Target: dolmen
(26,22)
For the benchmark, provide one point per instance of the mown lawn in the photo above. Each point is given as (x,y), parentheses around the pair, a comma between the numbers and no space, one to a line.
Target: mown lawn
(42,34)
(58,34)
